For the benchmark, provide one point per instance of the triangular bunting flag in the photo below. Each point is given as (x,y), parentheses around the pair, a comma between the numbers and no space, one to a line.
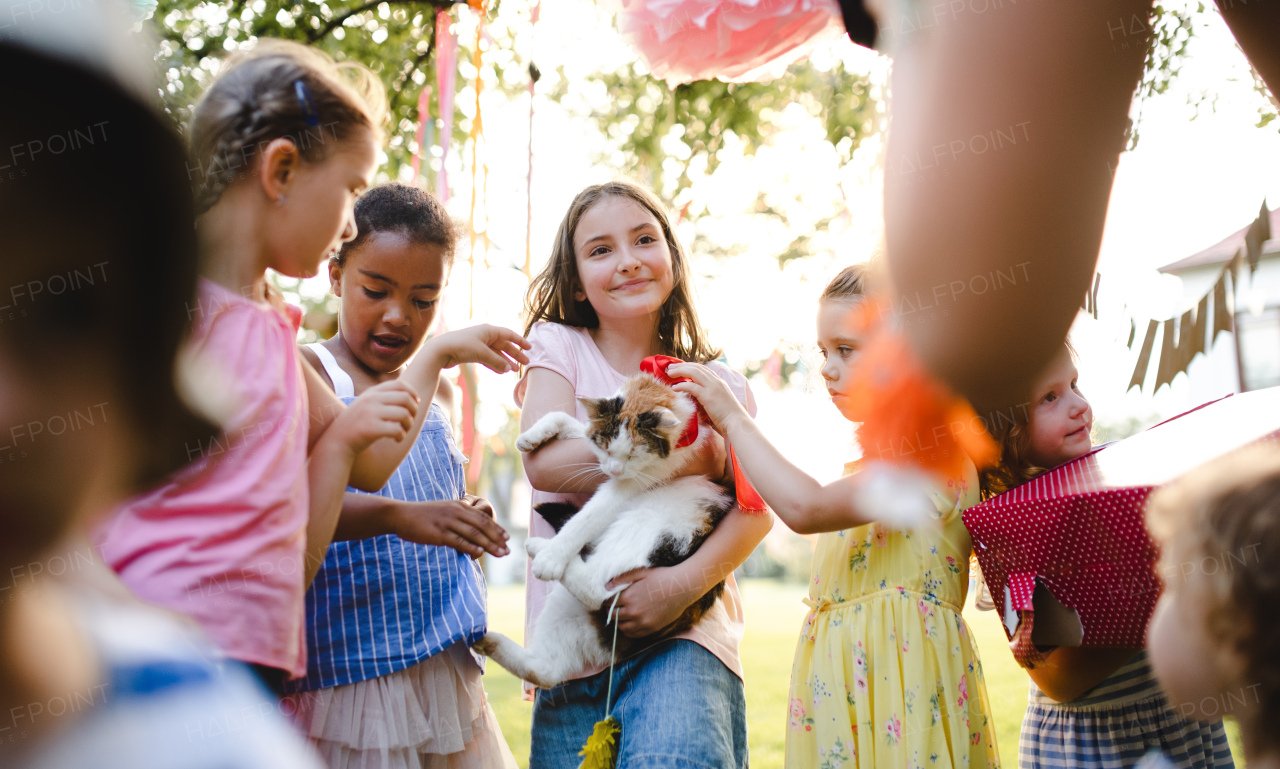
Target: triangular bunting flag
(1259,233)
(1185,336)
(1168,356)
(1235,267)
(1144,358)
(1221,313)
(1198,329)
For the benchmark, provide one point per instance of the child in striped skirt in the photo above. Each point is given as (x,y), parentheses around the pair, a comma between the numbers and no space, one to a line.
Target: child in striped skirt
(1089,707)
(1213,635)
(391,681)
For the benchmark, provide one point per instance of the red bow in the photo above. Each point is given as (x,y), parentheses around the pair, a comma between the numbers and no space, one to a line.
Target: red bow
(749,500)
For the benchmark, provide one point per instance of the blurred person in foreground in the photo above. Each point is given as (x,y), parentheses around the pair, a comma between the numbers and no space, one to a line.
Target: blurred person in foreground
(1214,637)
(97,274)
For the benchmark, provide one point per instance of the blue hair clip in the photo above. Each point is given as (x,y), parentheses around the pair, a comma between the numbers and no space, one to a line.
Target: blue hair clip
(308,104)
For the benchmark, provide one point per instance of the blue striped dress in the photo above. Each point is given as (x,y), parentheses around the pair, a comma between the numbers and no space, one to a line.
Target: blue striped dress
(1114,725)
(381,605)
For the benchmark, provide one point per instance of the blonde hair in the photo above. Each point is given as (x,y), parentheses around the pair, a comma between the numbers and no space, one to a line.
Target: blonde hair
(850,284)
(277,89)
(551,294)
(1222,521)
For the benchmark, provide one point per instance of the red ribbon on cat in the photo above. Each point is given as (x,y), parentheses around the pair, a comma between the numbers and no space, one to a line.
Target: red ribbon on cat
(749,500)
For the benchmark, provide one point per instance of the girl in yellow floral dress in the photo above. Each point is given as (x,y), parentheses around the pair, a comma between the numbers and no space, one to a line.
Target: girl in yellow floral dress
(886,674)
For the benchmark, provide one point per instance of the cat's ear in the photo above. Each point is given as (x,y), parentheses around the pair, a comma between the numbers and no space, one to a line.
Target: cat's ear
(592,405)
(601,407)
(667,419)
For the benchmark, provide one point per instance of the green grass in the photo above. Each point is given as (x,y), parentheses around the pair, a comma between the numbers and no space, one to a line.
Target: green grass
(774,615)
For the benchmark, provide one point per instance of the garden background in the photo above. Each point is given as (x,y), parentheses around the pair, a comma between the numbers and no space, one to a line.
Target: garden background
(507,109)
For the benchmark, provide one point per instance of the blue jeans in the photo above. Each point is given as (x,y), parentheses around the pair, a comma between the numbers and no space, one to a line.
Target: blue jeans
(679,706)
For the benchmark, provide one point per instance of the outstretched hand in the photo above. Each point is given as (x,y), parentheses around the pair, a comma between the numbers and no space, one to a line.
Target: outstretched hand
(498,349)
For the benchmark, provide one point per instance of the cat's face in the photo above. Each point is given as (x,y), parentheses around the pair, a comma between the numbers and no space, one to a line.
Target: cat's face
(634,434)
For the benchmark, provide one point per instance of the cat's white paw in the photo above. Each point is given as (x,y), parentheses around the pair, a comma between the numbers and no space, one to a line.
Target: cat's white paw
(534,545)
(485,646)
(533,438)
(549,565)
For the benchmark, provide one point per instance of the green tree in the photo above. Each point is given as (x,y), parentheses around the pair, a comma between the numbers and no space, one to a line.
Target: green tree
(393,38)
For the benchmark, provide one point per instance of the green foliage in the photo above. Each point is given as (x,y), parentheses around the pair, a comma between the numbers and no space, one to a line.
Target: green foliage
(393,38)
(652,124)
(1168,34)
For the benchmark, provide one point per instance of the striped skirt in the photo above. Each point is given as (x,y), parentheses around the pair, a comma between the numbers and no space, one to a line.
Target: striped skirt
(1115,725)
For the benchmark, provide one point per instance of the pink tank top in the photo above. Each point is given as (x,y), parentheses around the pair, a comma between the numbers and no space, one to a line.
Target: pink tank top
(572,353)
(223,542)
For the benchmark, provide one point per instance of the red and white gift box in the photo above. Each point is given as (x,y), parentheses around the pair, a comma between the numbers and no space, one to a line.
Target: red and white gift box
(1077,531)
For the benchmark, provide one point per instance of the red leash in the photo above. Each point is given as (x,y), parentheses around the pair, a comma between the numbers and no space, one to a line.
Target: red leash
(749,500)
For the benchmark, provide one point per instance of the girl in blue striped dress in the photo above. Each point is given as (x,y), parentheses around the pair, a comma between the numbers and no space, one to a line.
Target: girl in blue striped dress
(1088,707)
(391,682)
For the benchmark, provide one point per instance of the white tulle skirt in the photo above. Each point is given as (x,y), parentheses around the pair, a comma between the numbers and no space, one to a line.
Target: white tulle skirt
(433,715)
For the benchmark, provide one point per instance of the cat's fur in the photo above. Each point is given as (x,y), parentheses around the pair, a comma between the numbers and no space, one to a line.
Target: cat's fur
(639,517)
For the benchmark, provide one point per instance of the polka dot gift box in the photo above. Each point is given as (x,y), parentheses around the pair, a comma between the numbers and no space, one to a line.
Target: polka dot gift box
(1068,549)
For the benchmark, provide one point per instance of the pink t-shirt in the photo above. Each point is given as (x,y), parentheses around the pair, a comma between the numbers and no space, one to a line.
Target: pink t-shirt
(223,542)
(572,353)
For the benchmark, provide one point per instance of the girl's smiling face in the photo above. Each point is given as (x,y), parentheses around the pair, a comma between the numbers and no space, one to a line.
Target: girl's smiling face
(390,290)
(1061,418)
(317,215)
(840,339)
(624,263)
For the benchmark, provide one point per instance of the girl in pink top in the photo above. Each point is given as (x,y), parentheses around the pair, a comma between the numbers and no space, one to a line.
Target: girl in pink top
(282,144)
(615,291)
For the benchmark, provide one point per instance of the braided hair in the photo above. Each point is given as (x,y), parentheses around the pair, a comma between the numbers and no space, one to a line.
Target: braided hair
(277,89)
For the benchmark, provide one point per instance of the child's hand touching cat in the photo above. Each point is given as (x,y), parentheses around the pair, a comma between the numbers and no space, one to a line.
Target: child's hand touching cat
(710,390)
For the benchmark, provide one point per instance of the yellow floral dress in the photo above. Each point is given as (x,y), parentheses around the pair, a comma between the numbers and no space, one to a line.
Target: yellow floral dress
(885,673)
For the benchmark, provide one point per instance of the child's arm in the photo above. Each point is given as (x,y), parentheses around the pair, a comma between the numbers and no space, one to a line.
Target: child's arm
(466,524)
(1070,671)
(1011,160)
(657,597)
(384,411)
(565,466)
(806,506)
(498,349)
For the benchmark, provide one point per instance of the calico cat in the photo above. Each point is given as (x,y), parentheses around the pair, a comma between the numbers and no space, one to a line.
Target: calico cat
(639,517)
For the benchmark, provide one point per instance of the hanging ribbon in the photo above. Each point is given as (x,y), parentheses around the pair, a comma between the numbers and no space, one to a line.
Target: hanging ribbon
(749,499)
(477,130)
(534,76)
(446,82)
(424,127)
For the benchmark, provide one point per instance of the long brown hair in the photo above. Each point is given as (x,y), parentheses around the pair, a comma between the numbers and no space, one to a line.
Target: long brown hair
(550,296)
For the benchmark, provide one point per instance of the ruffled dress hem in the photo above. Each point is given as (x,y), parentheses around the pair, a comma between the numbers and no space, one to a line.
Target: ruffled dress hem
(432,715)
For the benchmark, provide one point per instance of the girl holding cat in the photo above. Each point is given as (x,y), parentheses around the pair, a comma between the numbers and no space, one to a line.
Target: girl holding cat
(615,291)
(885,673)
